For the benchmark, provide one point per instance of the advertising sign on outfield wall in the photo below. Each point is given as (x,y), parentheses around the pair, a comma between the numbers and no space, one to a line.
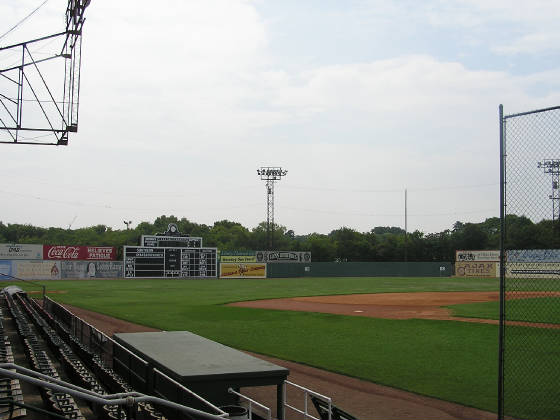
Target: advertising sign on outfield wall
(5,270)
(485,256)
(21,252)
(36,270)
(534,270)
(533,255)
(238,258)
(284,256)
(65,252)
(477,269)
(242,270)
(91,269)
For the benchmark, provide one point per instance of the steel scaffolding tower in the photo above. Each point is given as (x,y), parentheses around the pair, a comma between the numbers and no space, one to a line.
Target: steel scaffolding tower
(29,112)
(270,175)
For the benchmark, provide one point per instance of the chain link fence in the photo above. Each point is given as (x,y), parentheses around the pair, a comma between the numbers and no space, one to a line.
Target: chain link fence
(529,359)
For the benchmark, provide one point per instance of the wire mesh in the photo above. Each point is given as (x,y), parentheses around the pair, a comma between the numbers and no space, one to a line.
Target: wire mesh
(530,280)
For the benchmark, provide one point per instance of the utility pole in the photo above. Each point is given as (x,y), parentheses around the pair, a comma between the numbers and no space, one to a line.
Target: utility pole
(270,175)
(405,228)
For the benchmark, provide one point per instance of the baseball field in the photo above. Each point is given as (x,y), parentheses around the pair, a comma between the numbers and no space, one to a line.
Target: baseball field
(443,358)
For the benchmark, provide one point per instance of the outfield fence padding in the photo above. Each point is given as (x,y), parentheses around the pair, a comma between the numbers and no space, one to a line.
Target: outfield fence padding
(360,269)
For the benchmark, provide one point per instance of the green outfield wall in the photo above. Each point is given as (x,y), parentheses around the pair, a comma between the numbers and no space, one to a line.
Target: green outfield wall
(360,269)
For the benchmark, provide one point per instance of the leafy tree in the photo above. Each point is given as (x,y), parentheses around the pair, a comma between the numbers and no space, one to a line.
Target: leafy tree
(381,243)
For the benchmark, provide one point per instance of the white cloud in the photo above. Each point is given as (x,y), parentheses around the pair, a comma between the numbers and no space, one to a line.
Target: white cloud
(189,98)
(534,43)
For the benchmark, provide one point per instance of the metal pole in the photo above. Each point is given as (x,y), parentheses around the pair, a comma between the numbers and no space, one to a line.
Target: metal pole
(501,328)
(405,228)
(270,214)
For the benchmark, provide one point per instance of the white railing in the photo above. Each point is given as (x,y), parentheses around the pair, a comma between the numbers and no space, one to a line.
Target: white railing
(11,370)
(251,402)
(306,393)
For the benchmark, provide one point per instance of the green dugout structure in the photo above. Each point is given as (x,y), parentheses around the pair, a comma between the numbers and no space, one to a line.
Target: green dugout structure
(360,269)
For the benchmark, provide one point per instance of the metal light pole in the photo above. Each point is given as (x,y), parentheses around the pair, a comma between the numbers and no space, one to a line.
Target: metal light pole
(552,167)
(270,175)
(405,228)
(128,224)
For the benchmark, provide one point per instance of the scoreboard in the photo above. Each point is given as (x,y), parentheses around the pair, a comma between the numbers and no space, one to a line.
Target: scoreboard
(159,262)
(171,241)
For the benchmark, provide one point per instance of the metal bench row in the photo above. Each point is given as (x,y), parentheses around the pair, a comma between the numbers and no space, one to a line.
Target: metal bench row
(10,389)
(80,363)
(60,403)
(111,381)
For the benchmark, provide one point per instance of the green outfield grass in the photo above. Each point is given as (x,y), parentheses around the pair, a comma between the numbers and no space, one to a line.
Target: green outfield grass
(541,309)
(451,360)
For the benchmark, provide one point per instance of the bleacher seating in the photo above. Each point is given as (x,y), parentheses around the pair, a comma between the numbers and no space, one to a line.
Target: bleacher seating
(10,389)
(336,413)
(59,403)
(113,382)
(84,368)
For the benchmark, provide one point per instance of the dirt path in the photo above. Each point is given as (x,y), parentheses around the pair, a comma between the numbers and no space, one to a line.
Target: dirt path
(363,399)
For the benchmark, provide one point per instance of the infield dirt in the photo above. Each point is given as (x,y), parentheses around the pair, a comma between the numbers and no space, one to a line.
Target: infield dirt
(424,305)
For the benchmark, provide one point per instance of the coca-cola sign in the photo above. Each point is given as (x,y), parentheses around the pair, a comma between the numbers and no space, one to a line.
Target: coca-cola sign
(67,252)
(62,253)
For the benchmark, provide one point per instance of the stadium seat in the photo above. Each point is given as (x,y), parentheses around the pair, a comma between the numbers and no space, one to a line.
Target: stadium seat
(323,410)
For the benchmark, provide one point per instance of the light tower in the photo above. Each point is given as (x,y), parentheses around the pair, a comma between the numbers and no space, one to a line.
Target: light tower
(552,167)
(270,175)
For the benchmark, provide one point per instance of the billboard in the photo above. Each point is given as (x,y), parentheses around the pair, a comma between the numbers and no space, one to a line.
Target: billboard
(36,270)
(485,255)
(533,255)
(284,256)
(5,269)
(91,269)
(242,270)
(21,252)
(533,270)
(66,252)
(477,269)
(238,258)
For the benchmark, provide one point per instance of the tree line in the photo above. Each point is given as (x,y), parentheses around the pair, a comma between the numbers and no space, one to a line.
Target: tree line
(344,244)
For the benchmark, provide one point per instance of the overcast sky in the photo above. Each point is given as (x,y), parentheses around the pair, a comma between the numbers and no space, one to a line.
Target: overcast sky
(182,101)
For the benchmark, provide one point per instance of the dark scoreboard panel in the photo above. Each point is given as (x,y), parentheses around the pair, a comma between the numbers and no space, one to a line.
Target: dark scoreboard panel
(142,261)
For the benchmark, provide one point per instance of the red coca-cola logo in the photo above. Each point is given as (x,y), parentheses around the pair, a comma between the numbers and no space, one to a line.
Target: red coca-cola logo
(64,252)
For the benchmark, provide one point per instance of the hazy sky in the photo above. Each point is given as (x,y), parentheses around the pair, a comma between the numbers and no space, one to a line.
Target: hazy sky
(182,101)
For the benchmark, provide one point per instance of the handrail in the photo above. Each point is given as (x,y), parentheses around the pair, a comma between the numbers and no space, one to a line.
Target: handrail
(128,351)
(128,399)
(10,402)
(307,391)
(251,402)
(28,281)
